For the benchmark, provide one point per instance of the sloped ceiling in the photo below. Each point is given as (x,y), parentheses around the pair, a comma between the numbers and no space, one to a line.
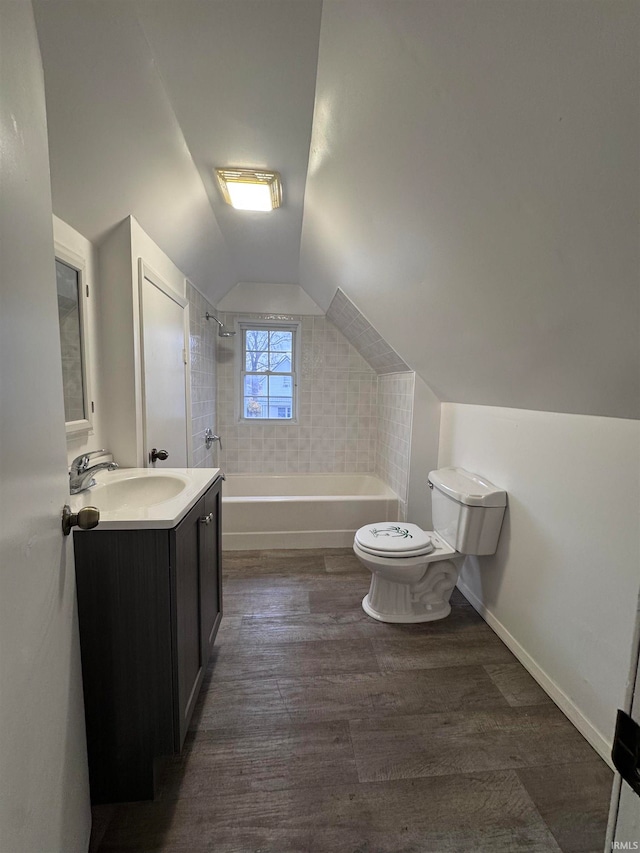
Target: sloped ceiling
(241,79)
(472,184)
(115,145)
(473,188)
(145,98)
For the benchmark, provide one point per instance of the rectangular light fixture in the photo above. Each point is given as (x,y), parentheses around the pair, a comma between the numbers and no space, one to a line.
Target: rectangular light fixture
(250,189)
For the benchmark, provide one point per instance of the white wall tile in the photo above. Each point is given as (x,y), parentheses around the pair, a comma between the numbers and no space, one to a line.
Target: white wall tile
(337,397)
(202,338)
(395,404)
(359,332)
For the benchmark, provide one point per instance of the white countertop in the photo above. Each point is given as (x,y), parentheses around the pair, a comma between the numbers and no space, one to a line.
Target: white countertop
(145,498)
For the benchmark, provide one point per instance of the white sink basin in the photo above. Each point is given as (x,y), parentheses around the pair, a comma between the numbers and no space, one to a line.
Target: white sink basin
(136,491)
(144,497)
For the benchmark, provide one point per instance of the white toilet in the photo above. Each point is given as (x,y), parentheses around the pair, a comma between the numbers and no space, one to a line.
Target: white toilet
(414,571)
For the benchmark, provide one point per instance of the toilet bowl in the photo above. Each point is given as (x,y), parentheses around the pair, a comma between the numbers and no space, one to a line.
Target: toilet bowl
(414,571)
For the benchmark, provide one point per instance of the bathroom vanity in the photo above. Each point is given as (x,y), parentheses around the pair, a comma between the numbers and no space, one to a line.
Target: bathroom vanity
(149,606)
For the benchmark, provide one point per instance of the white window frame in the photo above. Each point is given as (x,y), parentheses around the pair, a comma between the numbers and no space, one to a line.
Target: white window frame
(293,326)
(83,426)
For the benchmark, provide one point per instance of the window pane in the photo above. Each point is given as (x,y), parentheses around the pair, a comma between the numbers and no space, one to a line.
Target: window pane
(279,408)
(256,339)
(257,361)
(280,387)
(280,362)
(256,407)
(280,341)
(255,386)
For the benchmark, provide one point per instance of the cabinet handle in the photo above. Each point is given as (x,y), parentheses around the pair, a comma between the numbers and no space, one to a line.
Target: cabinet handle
(206,519)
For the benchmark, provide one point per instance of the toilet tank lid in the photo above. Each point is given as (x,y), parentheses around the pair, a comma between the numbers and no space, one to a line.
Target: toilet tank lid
(467,488)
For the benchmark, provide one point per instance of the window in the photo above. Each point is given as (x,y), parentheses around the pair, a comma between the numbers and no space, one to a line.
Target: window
(267,378)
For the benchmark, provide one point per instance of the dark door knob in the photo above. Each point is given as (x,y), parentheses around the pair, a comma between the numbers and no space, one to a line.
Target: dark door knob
(158,454)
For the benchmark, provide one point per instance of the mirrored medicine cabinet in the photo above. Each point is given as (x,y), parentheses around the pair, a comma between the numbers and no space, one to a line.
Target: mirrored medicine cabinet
(72,291)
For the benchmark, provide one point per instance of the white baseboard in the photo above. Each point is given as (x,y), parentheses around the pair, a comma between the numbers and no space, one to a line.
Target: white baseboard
(597,740)
(287,539)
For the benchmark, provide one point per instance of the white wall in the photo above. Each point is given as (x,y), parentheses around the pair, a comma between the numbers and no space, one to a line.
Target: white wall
(562,588)
(473,187)
(44,790)
(116,145)
(119,358)
(255,298)
(120,361)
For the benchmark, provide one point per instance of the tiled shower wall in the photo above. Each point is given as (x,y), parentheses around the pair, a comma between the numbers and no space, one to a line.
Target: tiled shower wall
(337,427)
(202,352)
(395,412)
(352,419)
(396,384)
(362,335)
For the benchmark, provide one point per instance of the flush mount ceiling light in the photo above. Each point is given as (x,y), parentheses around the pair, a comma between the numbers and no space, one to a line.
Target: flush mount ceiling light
(250,189)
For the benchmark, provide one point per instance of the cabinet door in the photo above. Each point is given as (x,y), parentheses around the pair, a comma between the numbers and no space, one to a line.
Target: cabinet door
(210,570)
(125,617)
(189,660)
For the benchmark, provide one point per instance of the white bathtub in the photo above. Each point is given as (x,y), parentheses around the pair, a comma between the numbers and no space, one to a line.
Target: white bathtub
(301,510)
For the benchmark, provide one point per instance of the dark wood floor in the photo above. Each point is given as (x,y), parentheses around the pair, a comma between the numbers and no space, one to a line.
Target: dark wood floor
(320,730)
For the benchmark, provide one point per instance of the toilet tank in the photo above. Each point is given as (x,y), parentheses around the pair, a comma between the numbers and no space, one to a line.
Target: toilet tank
(467,510)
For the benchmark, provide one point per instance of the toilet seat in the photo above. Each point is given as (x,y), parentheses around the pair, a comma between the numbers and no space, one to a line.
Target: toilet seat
(394,540)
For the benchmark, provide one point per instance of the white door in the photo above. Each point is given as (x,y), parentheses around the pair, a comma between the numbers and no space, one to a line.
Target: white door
(164,324)
(44,790)
(624,818)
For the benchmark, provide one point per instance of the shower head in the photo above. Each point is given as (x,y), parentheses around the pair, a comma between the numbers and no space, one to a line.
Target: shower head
(223,331)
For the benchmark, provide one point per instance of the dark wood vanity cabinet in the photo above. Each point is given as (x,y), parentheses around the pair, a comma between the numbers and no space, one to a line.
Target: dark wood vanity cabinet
(211,576)
(195,548)
(149,607)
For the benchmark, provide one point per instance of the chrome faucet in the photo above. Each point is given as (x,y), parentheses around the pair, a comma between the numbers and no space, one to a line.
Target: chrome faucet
(81,475)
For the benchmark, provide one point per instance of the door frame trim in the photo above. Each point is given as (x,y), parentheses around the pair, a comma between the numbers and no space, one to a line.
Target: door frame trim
(631,702)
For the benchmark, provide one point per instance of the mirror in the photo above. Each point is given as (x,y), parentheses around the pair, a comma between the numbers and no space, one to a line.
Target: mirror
(73,341)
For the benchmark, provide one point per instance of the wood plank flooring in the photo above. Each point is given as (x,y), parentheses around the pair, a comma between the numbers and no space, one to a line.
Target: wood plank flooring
(320,730)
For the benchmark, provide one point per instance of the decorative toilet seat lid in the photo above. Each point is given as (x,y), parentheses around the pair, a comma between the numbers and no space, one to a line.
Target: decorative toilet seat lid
(394,539)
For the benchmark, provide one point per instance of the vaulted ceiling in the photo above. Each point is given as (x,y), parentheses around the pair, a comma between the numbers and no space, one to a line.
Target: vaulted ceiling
(146,97)
(467,171)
